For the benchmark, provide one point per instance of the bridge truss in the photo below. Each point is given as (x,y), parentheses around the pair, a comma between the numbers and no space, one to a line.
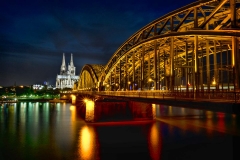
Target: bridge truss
(195,47)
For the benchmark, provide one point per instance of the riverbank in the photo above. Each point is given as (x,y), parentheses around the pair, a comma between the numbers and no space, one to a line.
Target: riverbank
(35,100)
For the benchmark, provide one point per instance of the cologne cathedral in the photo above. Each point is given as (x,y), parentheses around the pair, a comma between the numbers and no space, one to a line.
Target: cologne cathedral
(67,76)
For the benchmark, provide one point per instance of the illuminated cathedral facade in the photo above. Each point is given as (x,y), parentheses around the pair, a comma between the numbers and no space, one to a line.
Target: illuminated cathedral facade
(67,77)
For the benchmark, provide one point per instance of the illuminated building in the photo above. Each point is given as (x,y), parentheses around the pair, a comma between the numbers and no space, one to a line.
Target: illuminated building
(67,76)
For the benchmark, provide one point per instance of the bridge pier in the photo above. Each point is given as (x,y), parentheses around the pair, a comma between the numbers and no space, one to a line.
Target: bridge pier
(116,110)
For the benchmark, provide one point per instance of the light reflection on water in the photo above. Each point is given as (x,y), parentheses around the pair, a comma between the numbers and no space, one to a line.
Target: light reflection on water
(56,131)
(195,120)
(155,142)
(87,143)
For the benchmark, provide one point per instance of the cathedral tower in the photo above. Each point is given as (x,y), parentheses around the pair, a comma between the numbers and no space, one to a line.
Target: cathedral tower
(71,67)
(67,76)
(63,66)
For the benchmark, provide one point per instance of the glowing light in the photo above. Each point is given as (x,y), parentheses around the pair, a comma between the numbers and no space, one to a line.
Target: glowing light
(73,114)
(214,81)
(85,100)
(86,143)
(154,111)
(155,146)
(89,111)
(73,99)
(72,108)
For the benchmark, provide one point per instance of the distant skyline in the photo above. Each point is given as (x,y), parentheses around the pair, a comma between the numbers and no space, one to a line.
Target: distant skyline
(35,34)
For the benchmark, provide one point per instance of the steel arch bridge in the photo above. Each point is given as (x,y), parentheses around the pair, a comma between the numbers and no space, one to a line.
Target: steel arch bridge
(195,47)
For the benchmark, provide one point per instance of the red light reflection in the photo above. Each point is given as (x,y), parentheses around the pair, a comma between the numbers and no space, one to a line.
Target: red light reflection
(155,142)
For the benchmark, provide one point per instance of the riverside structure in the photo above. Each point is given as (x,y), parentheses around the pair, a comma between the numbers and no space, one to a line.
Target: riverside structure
(194,49)
(67,76)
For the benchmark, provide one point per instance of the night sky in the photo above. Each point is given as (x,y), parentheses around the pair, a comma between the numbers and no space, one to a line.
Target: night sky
(35,34)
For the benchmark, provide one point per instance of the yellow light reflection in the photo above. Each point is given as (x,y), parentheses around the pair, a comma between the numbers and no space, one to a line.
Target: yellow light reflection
(85,100)
(72,108)
(209,114)
(73,113)
(73,99)
(155,143)
(86,143)
(154,111)
(89,111)
(170,110)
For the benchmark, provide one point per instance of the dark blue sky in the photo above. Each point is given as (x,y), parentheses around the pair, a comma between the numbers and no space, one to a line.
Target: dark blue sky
(35,34)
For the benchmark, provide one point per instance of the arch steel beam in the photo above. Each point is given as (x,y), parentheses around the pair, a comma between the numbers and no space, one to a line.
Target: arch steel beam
(183,40)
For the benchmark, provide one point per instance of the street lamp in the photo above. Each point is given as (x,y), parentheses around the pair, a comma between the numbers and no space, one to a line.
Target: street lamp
(129,83)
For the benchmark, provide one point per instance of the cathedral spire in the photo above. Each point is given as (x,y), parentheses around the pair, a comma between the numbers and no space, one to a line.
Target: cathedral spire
(71,62)
(63,66)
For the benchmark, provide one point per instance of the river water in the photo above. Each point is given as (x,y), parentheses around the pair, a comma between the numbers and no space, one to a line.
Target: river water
(57,131)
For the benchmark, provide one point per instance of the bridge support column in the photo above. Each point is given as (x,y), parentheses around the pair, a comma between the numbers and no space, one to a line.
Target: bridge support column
(155,67)
(164,70)
(149,81)
(235,63)
(126,74)
(89,115)
(208,65)
(171,64)
(133,72)
(187,75)
(196,68)
(114,81)
(110,82)
(142,67)
(215,65)
(120,75)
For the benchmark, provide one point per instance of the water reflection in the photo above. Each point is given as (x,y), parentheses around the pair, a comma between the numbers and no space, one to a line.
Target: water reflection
(56,131)
(195,120)
(87,143)
(155,142)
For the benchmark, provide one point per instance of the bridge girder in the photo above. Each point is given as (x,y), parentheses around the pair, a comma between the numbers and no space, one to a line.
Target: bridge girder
(188,38)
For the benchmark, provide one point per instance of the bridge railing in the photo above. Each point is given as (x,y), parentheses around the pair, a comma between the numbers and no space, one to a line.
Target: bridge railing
(204,95)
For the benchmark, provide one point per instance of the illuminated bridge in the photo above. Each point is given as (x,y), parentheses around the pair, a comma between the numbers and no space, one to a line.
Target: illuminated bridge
(192,49)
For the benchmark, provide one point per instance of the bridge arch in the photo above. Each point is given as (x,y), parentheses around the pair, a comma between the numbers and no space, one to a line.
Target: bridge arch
(89,77)
(194,47)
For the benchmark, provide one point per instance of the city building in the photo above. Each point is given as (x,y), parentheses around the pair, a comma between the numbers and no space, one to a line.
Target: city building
(67,76)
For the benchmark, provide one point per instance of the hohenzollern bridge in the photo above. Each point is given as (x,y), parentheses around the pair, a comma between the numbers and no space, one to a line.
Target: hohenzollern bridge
(194,48)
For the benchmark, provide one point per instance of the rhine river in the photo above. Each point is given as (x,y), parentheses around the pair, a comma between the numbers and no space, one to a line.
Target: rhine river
(57,131)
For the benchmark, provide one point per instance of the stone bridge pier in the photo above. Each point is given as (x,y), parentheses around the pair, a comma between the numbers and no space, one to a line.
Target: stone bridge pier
(109,110)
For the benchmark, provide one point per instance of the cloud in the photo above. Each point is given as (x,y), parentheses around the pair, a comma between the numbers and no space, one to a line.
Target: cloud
(34,34)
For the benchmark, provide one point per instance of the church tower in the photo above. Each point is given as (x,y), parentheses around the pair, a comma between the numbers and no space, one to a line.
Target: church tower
(72,68)
(67,77)
(63,66)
